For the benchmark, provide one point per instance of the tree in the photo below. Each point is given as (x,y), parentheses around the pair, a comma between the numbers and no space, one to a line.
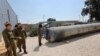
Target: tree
(92,7)
(51,19)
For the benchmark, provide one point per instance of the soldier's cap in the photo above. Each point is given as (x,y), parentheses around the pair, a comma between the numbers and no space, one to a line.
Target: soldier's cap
(7,24)
(17,24)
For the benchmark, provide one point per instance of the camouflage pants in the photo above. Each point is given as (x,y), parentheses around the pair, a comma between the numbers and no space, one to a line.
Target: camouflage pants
(39,40)
(11,50)
(21,43)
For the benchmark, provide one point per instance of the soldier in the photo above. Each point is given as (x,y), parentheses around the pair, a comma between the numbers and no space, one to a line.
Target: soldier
(24,32)
(9,40)
(15,34)
(21,38)
(14,31)
(40,34)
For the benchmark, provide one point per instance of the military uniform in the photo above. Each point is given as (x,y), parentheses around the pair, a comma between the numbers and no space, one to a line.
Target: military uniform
(15,32)
(21,42)
(40,35)
(9,42)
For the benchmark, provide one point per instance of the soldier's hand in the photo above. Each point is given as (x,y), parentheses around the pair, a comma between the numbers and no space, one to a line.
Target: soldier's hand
(19,38)
(25,37)
(8,48)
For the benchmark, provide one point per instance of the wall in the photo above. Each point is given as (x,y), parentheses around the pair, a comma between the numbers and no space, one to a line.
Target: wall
(6,14)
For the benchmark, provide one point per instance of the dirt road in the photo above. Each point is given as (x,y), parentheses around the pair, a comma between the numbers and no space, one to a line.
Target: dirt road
(87,45)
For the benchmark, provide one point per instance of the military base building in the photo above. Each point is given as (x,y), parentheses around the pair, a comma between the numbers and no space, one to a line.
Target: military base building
(7,14)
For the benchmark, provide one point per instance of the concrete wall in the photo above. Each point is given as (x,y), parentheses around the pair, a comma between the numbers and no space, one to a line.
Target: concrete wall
(6,14)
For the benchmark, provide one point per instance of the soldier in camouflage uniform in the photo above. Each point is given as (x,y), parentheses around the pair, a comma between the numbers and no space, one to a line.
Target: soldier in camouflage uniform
(9,40)
(40,34)
(21,38)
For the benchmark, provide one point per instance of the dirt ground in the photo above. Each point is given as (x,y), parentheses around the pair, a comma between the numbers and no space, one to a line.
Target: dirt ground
(86,45)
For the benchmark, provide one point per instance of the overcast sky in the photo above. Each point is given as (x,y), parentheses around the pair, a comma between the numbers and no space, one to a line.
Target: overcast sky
(33,11)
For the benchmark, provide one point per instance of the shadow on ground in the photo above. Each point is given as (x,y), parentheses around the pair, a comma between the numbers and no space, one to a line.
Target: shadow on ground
(70,39)
(20,54)
(36,48)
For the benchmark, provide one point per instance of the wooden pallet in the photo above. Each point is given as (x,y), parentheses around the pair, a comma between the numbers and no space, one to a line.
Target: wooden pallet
(2,49)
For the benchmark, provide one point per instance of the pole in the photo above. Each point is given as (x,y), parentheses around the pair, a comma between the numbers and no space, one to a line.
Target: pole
(8,15)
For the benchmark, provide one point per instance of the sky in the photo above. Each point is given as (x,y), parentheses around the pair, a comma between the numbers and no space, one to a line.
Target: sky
(34,11)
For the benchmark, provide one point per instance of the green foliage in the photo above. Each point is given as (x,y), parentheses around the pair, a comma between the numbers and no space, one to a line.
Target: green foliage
(51,19)
(92,7)
(34,30)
